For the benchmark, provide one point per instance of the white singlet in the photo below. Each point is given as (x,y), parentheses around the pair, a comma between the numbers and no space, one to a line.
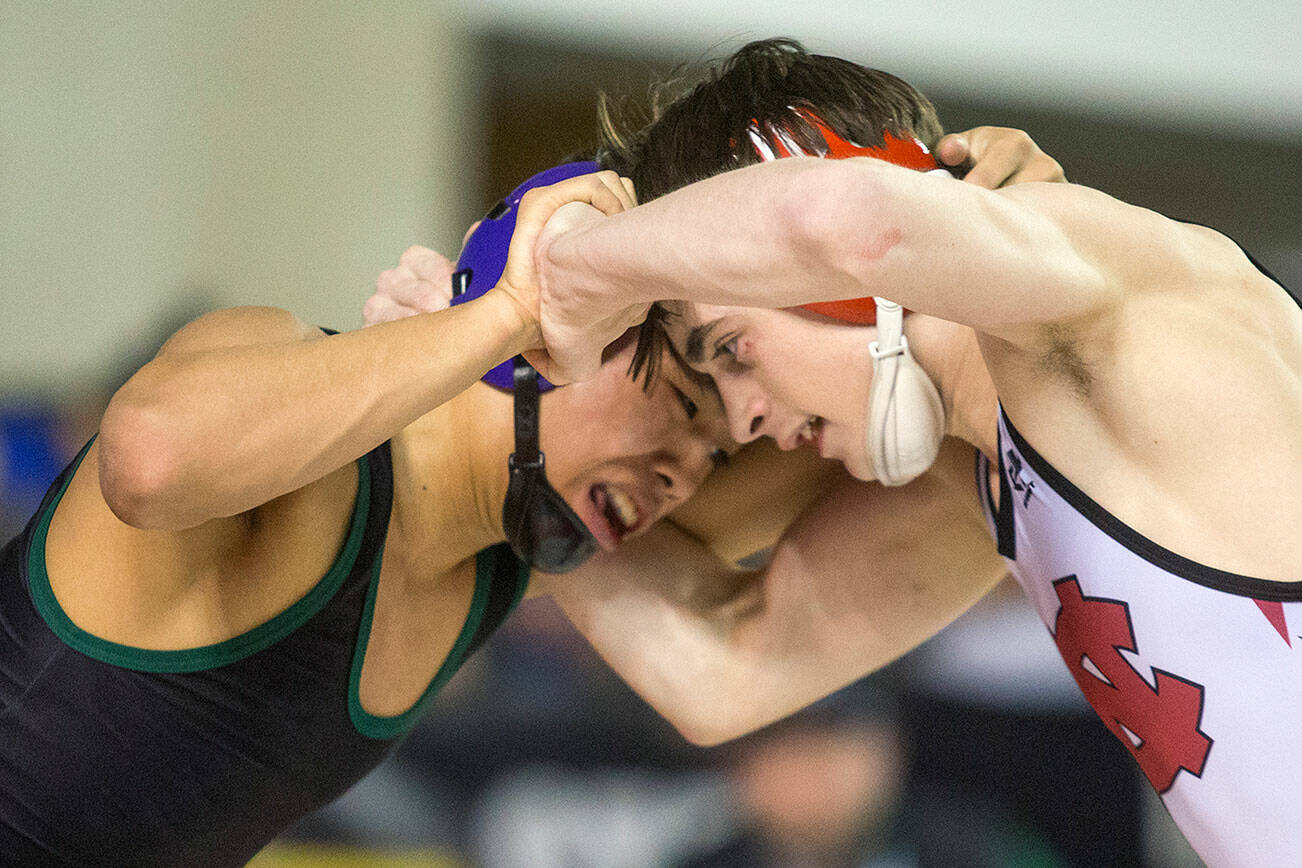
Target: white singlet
(1197,671)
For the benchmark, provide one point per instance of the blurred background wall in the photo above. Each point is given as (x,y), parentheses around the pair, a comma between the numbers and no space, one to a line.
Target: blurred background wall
(161,159)
(156,155)
(184,154)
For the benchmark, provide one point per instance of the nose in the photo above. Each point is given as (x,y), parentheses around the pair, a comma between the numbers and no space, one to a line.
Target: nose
(681,469)
(746,406)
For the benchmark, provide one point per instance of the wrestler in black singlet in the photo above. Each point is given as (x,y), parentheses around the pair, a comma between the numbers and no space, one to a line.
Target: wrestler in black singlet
(111,755)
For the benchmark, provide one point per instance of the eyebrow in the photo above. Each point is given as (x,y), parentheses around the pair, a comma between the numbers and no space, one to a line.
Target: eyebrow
(695,349)
(701,379)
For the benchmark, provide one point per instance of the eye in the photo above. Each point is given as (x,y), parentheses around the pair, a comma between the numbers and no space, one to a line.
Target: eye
(727,348)
(689,406)
(719,458)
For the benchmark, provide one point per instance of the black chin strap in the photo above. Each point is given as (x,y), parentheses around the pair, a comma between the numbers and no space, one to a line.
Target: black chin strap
(526,416)
(541,527)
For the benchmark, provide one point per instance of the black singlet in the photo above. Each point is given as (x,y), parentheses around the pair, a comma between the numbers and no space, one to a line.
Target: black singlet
(111,755)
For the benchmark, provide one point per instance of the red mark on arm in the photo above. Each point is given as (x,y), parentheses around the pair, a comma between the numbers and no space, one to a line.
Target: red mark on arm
(882,244)
(861,311)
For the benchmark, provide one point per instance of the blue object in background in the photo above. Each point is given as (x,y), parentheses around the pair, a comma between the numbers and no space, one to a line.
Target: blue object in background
(31,457)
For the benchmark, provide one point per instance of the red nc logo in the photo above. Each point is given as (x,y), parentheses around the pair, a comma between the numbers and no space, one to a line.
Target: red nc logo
(1158,725)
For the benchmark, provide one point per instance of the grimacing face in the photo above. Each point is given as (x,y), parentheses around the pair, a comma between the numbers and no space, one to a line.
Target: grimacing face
(623,457)
(793,375)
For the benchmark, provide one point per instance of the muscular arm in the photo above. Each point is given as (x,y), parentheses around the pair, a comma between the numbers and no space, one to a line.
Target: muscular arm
(801,230)
(247,404)
(863,576)
(743,508)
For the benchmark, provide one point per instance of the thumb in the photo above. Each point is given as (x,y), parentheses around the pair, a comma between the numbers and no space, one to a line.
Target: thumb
(542,361)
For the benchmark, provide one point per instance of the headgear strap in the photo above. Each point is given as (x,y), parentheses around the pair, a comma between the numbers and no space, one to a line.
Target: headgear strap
(542,528)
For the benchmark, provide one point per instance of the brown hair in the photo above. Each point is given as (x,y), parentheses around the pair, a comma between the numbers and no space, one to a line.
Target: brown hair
(774,83)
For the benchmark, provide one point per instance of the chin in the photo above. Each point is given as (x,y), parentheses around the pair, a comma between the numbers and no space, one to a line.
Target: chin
(860,468)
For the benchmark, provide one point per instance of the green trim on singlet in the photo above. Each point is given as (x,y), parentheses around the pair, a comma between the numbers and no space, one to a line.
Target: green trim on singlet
(386,727)
(207,656)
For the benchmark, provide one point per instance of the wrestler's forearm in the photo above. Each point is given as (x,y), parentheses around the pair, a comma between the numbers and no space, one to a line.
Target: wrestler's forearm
(865,575)
(248,404)
(803,230)
(720,652)
(663,612)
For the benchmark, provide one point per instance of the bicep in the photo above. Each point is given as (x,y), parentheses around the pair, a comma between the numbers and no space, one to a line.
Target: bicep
(882,569)
(866,574)
(1001,261)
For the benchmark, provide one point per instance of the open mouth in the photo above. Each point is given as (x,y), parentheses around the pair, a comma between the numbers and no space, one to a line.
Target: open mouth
(618,511)
(811,433)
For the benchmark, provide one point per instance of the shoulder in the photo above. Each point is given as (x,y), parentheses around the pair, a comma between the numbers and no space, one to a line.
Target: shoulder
(1142,260)
(240,326)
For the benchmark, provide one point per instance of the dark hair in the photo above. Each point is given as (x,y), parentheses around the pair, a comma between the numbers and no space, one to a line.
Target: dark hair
(775,83)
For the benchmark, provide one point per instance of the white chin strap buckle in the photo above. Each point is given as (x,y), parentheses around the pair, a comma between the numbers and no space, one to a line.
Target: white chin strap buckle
(906,419)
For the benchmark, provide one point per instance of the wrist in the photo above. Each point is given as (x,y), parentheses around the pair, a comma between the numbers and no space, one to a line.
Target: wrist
(573,272)
(517,326)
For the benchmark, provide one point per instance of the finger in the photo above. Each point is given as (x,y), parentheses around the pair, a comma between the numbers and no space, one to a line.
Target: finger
(389,281)
(628,185)
(546,367)
(396,282)
(538,205)
(1041,168)
(994,156)
(413,254)
(616,185)
(953,150)
(602,190)
(405,288)
(994,160)
(437,272)
(990,175)
(427,264)
(608,195)
(1003,155)
(428,297)
(379,308)
(1036,175)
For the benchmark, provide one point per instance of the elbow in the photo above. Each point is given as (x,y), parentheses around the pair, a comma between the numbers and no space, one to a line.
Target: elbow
(137,470)
(715,714)
(834,209)
(710,731)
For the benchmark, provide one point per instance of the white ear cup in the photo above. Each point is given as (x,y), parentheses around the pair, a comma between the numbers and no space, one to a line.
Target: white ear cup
(906,419)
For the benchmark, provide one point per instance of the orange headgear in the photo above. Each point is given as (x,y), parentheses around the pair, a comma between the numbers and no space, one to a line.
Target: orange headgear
(906,417)
(909,153)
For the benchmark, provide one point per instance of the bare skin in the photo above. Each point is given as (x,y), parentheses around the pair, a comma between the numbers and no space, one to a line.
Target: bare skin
(230,458)
(720,650)
(1120,374)
(1149,363)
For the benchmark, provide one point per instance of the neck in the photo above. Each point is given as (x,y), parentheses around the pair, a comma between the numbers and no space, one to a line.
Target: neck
(951,356)
(450,478)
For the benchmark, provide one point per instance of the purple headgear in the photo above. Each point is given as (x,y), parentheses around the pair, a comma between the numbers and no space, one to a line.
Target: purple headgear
(483,258)
(542,528)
